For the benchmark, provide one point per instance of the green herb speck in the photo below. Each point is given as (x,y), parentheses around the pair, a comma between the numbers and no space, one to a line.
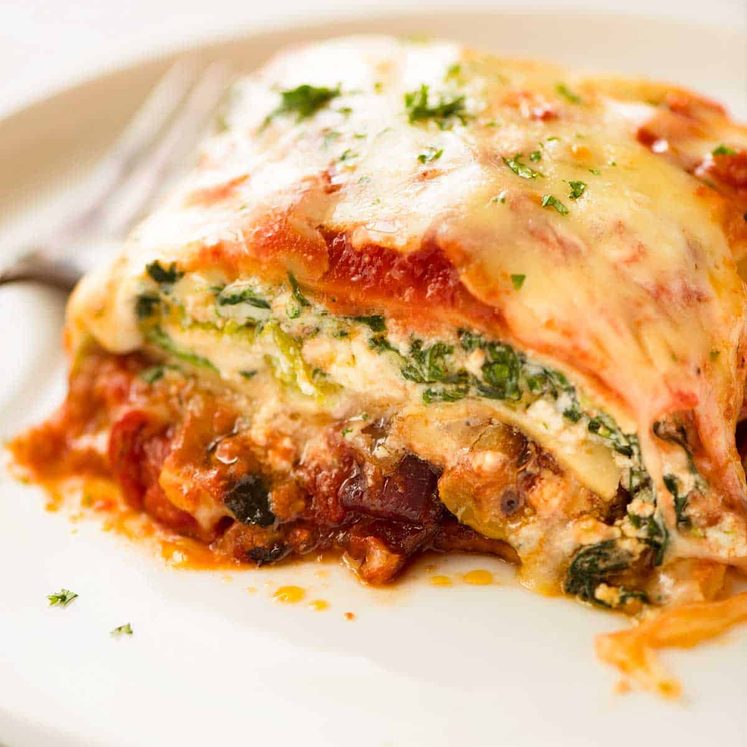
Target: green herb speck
(521,169)
(430,154)
(567,94)
(125,629)
(577,189)
(420,107)
(304,101)
(517,281)
(723,150)
(61,598)
(549,201)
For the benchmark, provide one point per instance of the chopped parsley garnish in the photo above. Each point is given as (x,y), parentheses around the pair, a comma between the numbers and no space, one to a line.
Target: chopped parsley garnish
(348,155)
(62,598)
(453,71)
(500,197)
(567,94)
(375,322)
(549,201)
(517,281)
(577,189)
(535,156)
(443,111)
(596,172)
(304,101)
(430,154)
(247,374)
(521,169)
(724,150)
(125,629)
(162,274)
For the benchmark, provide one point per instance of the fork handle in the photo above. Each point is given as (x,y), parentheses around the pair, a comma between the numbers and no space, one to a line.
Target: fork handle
(38,266)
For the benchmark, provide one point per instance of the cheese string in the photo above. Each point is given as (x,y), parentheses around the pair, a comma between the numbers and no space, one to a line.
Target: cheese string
(632,651)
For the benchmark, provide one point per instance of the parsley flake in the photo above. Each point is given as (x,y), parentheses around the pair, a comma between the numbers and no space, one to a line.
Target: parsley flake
(453,72)
(521,169)
(304,101)
(62,598)
(430,154)
(553,202)
(421,107)
(535,156)
(125,629)
(517,281)
(577,189)
(567,94)
(724,150)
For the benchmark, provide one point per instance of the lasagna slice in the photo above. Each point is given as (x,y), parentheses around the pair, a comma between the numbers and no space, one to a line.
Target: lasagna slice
(413,296)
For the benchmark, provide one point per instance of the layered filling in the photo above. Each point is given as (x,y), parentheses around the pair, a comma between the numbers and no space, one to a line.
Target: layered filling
(258,421)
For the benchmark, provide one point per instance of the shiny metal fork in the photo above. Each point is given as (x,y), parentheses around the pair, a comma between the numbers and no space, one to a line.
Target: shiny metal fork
(146,157)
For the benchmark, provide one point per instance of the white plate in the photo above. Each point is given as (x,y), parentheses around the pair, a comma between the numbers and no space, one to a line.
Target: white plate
(212,663)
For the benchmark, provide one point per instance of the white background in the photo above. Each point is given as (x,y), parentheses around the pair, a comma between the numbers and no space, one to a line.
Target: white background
(46,44)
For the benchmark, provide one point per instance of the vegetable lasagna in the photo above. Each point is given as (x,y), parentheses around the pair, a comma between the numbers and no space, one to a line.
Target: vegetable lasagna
(418,297)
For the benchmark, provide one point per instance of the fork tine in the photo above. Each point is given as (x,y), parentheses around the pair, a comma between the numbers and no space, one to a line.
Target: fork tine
(157,167)
(139,135)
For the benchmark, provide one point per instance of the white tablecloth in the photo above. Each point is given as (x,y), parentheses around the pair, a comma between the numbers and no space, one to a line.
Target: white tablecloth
(46,44)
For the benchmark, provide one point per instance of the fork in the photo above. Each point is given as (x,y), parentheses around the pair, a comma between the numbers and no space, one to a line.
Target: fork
(146,157)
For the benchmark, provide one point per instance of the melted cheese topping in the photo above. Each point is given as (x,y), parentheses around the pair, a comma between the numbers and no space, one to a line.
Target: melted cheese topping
(588,249)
